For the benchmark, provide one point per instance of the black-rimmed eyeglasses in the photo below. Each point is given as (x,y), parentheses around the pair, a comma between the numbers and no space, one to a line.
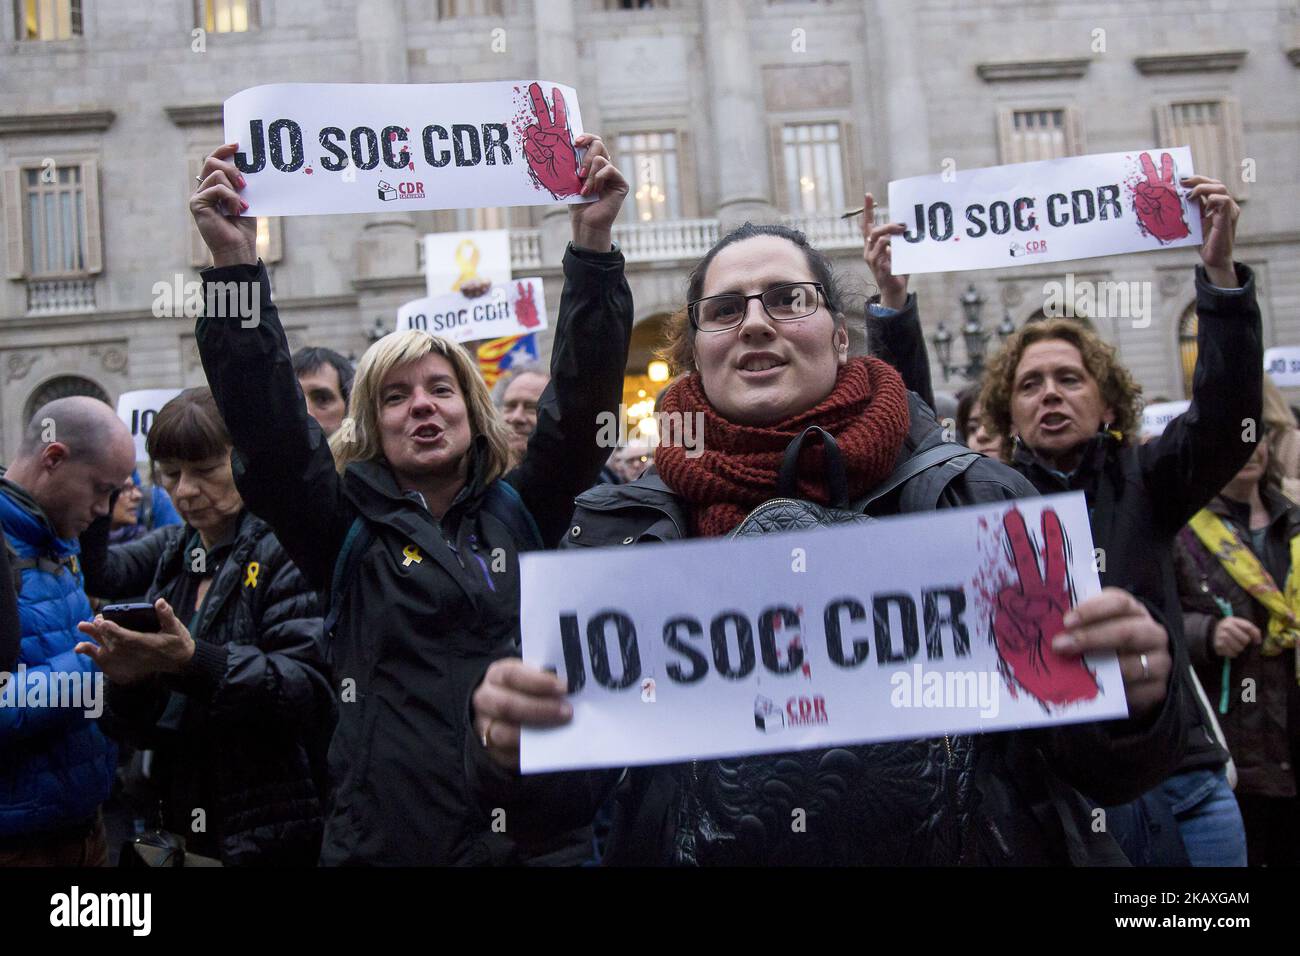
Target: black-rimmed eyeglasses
(782,303)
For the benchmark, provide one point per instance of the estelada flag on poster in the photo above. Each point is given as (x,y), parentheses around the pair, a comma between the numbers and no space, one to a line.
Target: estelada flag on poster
(312,148)
(1049,211)
(499,356)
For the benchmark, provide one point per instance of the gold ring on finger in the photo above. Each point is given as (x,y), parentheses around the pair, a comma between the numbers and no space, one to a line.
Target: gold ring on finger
(487,735)
(1146,667)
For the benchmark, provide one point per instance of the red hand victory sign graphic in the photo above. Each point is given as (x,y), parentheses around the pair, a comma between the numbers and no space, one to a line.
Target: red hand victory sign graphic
(548,144)
(1031,612)
(525,306)
(1159,210)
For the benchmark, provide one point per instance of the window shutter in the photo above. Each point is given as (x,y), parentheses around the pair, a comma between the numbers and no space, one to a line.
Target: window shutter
(687,181)
(200,257)
(275,240)
(1074,143)
(854,187)
(94,234)
(1234,148)
(778,170)
(1165,126)
(1006,134)
(14,242)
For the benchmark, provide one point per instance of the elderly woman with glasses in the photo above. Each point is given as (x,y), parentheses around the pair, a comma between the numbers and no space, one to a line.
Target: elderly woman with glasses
(763,353)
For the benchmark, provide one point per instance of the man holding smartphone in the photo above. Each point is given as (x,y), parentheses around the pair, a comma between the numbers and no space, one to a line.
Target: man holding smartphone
(75,454)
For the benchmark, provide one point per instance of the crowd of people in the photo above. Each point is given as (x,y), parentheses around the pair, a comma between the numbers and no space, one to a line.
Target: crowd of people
(334,674)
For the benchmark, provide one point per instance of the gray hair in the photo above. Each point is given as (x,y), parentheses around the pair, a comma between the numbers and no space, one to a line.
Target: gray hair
(503,383)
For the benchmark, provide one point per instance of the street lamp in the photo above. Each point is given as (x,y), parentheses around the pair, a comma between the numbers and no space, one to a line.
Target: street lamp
(973,333)
(942,340)
(376,331)
(1006,329)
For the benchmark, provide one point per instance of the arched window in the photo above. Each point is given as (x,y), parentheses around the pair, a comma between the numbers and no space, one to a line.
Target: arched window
(1041,316)
(62,387)
(642,382)
(1187,327)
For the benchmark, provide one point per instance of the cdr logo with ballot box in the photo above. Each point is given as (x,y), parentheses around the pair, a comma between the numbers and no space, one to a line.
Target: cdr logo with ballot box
(799,711)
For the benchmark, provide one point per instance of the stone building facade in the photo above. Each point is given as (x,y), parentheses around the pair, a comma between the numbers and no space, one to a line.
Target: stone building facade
(720,111)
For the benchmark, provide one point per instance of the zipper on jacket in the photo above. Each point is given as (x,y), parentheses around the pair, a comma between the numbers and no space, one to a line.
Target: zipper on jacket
(947,745)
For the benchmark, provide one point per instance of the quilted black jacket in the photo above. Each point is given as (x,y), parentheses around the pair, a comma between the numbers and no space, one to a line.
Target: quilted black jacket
(242,733)
(999,798)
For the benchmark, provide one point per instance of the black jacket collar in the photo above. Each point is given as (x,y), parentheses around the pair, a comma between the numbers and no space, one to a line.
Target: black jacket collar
(374,487)
(232,553)
(1091,464)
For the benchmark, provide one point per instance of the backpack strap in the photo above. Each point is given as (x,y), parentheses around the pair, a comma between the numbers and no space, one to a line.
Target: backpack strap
(787,485)
(355,543)
(924,491)
(49,565)
(501,501)
(17,565)
(956,459)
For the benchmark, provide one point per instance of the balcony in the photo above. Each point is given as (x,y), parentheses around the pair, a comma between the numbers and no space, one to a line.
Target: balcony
(667,239)
(525,250)
(674,239)
(60,296)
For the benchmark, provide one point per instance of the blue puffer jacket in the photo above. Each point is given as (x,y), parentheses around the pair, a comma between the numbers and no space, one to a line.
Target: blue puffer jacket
(56,768)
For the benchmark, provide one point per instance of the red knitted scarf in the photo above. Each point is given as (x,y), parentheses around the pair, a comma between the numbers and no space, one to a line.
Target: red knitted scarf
(866,413)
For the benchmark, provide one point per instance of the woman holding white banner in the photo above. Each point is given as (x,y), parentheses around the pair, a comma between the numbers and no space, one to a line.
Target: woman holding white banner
(764,355)
(413,523)
(1069,409)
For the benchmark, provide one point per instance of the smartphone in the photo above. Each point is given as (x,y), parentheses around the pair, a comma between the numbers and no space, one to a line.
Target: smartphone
(133,617)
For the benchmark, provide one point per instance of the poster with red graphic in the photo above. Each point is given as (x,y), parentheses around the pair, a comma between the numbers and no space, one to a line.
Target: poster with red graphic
(1054,210)
(908,627)
(517,307)
(316,148)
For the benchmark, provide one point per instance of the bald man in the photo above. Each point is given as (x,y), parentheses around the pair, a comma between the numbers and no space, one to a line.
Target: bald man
(57,767)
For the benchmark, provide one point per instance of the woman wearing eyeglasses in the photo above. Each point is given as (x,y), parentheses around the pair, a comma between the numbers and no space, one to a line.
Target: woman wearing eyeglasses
(765,355)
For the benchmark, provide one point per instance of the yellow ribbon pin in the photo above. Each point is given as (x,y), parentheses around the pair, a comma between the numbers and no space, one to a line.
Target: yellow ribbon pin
(412,554)
(250,574)
(467,257)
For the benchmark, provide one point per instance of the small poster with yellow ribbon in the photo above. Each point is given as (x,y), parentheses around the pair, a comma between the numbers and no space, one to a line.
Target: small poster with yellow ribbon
(459,261)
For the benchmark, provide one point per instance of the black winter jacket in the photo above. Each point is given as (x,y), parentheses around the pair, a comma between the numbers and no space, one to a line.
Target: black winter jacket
(242,733)
(1140,496)
(415,636)
(997,798)
(1262,725)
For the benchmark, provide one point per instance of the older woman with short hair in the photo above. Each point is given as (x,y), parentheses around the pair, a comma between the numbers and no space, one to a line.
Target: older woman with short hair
(1071,411)
(233,692)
